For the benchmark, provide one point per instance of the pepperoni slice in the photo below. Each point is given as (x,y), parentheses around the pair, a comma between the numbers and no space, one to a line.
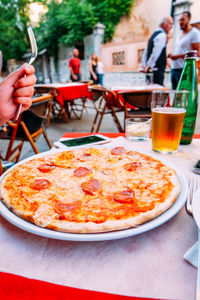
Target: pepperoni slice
(91,186)
(61,207)
(81,171)
(133,166)
(117,151)
(126,196)
(40,184)
(45,168)
(85,157)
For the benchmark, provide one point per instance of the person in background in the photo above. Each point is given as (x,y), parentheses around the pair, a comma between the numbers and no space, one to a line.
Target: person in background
(100,71)
(188,40)
(16,89)
(75,66)
(93,68)
(154,57)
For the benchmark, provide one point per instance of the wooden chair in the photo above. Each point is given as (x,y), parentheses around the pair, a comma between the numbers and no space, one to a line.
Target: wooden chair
(136,104)
(29,127)
(105,102)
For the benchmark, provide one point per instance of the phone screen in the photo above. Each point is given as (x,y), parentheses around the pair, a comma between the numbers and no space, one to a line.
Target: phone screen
(83,140)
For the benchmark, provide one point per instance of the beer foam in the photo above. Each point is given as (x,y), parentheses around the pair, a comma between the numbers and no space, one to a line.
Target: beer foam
(169,110)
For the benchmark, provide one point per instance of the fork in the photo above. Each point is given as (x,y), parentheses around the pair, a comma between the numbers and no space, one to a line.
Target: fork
(32,59)
(193,185)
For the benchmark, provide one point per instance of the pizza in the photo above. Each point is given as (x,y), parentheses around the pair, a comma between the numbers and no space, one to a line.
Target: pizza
(90,190)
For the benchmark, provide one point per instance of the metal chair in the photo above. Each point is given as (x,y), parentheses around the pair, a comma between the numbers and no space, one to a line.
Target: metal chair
(29,127)
(105,102)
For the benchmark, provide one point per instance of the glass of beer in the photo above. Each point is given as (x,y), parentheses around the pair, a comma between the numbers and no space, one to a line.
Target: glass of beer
(168,110)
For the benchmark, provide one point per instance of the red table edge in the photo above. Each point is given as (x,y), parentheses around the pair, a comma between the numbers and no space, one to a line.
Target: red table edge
(80,134)
(15,287)
(108,134)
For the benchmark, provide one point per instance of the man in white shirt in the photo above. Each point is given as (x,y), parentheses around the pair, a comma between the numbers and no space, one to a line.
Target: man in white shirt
(154,57)
(188,40)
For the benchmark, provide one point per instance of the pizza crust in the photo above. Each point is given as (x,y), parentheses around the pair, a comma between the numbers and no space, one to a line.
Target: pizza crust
(92,227)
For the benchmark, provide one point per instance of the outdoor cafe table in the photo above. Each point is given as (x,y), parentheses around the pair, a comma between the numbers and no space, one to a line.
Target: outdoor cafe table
(148,88)
(150,264)
(65,94)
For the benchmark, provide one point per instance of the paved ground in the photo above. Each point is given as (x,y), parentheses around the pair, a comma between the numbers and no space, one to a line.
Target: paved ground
(58,127)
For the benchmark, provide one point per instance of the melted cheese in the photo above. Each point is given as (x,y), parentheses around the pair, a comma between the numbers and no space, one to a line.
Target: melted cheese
(66,200)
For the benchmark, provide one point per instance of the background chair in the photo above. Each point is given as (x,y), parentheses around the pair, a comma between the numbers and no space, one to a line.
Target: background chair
(105,102)
(29,127)
(136,104)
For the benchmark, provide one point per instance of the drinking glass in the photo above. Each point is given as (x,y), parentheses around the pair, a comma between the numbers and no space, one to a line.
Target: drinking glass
(149,78)
(168,111)
(137,129)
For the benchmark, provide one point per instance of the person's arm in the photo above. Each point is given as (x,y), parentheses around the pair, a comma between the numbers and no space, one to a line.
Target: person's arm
(143,62)
(71,70)
(14,90)
(72,73)
(196,46)
(91,71)
(159,44)
(175,57)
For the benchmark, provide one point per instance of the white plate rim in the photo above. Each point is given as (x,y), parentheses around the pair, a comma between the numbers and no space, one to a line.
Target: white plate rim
(93,237)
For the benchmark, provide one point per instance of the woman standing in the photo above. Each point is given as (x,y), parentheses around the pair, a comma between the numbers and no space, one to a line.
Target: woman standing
(93,69)
(100,71)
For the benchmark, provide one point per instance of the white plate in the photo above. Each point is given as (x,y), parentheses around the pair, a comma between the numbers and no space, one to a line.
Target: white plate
(196,207)
(167,215)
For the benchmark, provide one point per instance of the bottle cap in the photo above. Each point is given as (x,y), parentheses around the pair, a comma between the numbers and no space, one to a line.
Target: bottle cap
(191,54)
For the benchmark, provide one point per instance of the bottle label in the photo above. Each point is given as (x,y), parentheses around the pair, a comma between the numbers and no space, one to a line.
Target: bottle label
(189,124)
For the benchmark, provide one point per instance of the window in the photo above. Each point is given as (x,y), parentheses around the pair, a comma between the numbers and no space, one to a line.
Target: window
(118,58)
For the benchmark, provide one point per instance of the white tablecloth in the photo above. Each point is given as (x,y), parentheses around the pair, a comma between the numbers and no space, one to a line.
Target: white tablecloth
(147,265)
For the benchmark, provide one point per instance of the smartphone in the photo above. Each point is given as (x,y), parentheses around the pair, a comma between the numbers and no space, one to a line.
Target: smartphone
(196,168)
(96,139)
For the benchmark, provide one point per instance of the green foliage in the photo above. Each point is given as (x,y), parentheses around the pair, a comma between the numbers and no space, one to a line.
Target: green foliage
(109,13)
(69,21)
(13,22)
(66,22)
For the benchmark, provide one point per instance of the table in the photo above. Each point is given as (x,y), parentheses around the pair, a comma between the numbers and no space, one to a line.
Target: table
(137,89)
(147,265)
(65,94)
(112,102)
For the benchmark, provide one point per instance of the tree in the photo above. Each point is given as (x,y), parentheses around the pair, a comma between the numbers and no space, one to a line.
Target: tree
(109,13)
(69,21)
(13,21)
(14,18)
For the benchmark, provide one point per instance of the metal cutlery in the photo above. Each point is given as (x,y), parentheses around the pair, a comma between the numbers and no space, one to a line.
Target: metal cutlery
(193,187)
(34,52)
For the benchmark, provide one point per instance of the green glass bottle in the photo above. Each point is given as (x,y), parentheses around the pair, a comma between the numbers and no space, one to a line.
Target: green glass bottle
(188,81)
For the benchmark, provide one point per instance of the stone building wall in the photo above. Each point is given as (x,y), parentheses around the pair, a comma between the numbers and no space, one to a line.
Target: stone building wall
(132,33)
